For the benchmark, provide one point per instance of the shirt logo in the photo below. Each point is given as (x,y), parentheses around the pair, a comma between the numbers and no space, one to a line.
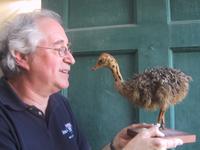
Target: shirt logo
(68,131)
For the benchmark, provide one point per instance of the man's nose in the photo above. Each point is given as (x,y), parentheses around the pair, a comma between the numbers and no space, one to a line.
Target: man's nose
(69,58)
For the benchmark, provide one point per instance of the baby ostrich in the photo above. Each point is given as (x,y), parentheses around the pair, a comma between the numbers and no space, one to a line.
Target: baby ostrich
(153,89)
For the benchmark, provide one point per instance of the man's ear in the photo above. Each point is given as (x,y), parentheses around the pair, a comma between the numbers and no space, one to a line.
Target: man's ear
(21,60)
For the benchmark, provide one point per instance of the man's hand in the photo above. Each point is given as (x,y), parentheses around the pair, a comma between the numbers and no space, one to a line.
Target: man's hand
(121,139)
(148,138)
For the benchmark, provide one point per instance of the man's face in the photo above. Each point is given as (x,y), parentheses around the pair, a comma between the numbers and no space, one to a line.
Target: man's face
(46,65)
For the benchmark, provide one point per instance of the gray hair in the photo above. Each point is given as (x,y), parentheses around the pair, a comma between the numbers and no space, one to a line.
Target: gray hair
(22,35)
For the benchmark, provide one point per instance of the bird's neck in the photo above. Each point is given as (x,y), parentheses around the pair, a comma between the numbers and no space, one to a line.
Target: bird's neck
(116,73)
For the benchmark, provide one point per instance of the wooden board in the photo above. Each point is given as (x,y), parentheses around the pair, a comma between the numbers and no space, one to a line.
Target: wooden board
(170,133)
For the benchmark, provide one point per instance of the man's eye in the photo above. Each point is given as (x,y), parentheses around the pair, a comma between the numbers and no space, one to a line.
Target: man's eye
(69,45)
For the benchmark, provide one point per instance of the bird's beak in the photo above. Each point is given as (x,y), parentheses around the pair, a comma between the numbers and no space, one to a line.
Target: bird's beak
(94,68)
(97,66)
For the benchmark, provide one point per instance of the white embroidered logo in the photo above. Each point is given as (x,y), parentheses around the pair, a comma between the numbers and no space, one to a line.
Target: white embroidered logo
(68,131)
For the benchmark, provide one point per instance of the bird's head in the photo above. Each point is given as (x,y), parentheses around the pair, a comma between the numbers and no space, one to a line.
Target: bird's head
(105,60)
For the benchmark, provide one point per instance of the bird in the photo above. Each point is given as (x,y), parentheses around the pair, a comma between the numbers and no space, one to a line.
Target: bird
(155,88)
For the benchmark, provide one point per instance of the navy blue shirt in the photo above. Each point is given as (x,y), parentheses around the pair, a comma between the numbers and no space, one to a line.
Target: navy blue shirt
(24,127)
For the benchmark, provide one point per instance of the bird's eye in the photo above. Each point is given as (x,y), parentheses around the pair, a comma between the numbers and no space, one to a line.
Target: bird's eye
(100,62)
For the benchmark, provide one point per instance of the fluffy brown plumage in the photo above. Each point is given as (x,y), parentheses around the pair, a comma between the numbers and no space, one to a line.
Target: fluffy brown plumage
(153,89)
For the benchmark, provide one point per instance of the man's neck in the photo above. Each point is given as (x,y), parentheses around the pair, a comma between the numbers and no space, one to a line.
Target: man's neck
(30,93)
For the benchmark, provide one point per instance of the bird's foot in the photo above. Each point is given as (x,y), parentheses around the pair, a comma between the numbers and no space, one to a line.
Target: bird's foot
(162,126)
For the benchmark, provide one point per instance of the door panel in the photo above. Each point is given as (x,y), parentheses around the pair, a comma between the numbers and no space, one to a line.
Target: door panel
(91,13)
(187,113)
(100,110)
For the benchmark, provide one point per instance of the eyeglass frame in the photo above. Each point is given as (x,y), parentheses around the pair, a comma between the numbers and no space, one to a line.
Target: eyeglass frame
(62,51)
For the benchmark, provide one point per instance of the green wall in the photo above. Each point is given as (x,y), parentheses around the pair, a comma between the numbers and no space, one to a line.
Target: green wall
(141,34)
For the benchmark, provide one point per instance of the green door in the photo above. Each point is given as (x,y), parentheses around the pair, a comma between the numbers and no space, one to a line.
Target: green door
(140,34)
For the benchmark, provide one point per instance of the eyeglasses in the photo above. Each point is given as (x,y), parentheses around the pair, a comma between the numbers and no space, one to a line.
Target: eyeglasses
(62,51)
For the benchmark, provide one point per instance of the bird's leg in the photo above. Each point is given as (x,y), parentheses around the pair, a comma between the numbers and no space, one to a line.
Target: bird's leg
(161,119)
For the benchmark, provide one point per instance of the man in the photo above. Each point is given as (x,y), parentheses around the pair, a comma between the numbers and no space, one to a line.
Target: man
(35,59)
